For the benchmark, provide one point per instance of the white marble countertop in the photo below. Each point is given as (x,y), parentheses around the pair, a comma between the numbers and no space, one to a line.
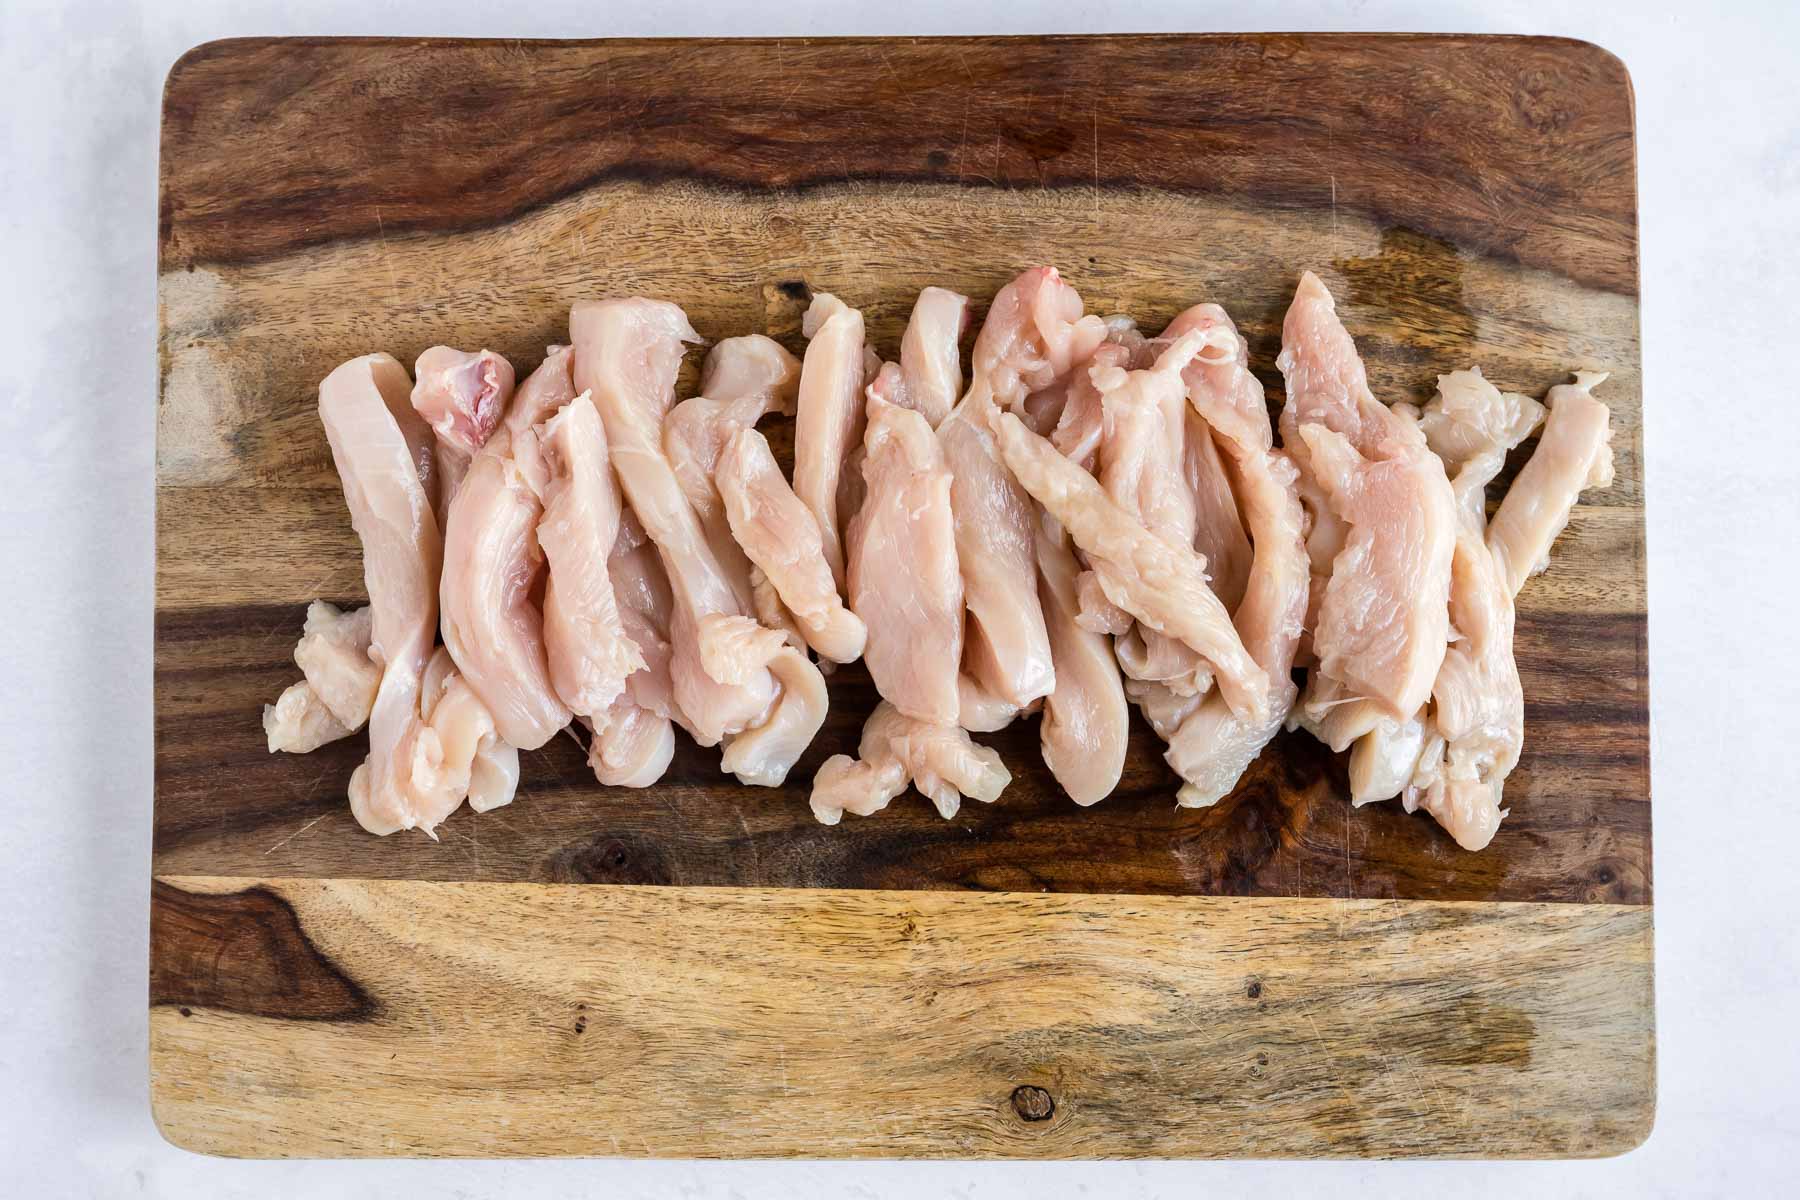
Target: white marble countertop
(1719,145)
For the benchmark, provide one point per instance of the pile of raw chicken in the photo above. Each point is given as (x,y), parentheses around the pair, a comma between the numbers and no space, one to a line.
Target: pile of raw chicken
(1100,518)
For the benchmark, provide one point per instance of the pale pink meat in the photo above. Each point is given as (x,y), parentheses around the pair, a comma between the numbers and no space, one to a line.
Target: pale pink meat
(744,380)
(589,652)
(904,579)
(1472,425)
(493,565)
(627,355)
(928,377)
(1213,745)
(634,740)
(475,761)
(896,749)
(1160,583)
(828,421)
(381,447)
(1574,453)
(782,539)
(1142,467)
(1085,724)
(1218,379)
(339,682)
(1034,336)
(462,396)
(1382,617)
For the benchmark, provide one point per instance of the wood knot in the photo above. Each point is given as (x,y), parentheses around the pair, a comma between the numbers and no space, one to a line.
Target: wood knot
(1033,1103)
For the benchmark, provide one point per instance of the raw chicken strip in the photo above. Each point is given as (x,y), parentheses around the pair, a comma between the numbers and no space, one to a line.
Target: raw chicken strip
(744,379)
(1220,376)
(1142,468)
(299,722)
(475,761)
(333,654)
(634,743)
(1454,758)
(1034,336)
(334,698)
(763,755)
(980,711)
(904,580)
(939,759)
(1382,619)
(379,445)
(1574,453)
(1161,584)
(928,377)
(493,562)
(1472,425)
(636,749)
(627,354)
(1212,747)
(589,652)
(781,537)
(1164,709)
(1478,705)
(1085,723)
(1218,525)
(828,420)
(462,397)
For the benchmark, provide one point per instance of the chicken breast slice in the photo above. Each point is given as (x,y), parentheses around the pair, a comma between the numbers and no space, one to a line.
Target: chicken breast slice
(1213,746)
(1161,584)
(634,740)
(782,539)
(475,760)
(1477,703)
(763,755)
(895,750)
(1033,337)
(340,681)
(462,396)
(379,444)
(905,583)
(1574,453)
(1220,374)
(627,354)
(1382,494)
(493,564)
(1472,425)
(1142,467)
(1086,724)
(828,419)
(744,380)
(928,378)
(299,722)
(589,652)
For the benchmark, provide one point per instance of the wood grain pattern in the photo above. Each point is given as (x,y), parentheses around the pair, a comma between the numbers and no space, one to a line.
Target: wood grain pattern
(1513,147)
(646,1022)
(253,526)
(1278,975)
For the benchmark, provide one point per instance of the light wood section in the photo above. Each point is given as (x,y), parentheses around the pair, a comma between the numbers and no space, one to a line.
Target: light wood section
(506,1019)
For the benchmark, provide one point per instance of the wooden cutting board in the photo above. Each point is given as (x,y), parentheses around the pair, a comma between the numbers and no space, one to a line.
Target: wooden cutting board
(701,969)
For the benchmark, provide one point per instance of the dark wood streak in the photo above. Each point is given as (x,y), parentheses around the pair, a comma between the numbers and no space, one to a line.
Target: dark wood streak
(1579,830)
(1518,149)
(243,952)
